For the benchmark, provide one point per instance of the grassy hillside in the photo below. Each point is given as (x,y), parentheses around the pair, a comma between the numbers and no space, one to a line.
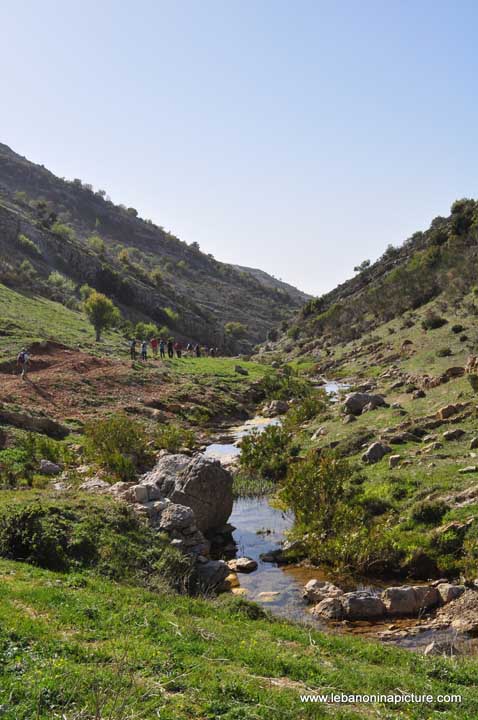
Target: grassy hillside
(65,654)
(48,224)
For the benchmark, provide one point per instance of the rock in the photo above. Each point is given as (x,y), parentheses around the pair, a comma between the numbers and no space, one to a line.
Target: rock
(95,484)
(242,565)
(320,432)
(453,372)
(49,468)
(200,483)
(375,452)
(120,488)
(239,591)
(230,581)
(330,609)
(441,648)
(449,592)
(241,370)
(417,394)
(349,419)
(446,411)
(397,385)
(176,517)
(455,434)
(137,494)
(407,600)
(474,443)
(393,461)
(355,402)
(275,407)
(362,606)
(317,590)
(468,469)
(211,574)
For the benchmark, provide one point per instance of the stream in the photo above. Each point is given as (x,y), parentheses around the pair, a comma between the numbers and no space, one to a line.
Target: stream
(261,529)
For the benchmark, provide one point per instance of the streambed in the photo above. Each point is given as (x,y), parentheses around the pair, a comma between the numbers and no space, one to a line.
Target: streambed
(260,529)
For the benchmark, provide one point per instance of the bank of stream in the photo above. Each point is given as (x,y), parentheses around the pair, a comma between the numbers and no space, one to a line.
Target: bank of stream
(260,529)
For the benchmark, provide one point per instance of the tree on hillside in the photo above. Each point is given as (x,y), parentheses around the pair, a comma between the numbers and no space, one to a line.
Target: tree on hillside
(363,266)
(101,312)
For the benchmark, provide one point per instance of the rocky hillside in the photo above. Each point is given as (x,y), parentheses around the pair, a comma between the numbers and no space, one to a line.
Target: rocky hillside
(56,235)
(439,263)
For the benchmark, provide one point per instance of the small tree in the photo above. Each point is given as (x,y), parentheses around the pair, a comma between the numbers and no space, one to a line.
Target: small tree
(101,312)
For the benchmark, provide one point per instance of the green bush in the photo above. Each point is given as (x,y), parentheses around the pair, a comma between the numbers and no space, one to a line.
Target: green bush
(429,512)
(173,437)
(444,352)
(457,328)
(432,321)
(64,231)
(28,245)
(266,453)
(119,444)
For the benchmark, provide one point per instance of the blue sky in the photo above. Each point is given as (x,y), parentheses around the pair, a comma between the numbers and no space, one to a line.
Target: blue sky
(299,137)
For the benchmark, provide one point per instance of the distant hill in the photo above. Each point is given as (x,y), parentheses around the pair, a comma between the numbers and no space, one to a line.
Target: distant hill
(56,235)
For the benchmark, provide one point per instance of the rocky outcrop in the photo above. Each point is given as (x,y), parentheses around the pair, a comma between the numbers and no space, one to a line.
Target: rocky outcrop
(408,600)
(34,423)
(47,467)
(200,483)
(362,605)
(275,408)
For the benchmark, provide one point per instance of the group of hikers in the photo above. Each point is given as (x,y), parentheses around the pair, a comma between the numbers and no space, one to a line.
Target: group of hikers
(169,348)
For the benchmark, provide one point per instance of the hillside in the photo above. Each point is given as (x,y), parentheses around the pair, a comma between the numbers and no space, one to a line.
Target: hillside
(273,282)
(50,225)
(437,263)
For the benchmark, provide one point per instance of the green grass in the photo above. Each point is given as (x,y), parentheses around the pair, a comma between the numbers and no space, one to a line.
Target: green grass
(73,645)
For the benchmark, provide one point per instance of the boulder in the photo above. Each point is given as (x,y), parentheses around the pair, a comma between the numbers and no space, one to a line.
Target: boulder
(200,483)
(34,423)
(317,590)
(449,592)
(468,469)
(242,565)
(454,434)
(349,419)
(393,461)
(212,574)
(446,411)
(408,600)
(361,605)
(176,517)
(275,407)
(474,443)
(375,452)
(355,402)
(417,394)
(49,468)
(241,370)
(330,609)
(453,372)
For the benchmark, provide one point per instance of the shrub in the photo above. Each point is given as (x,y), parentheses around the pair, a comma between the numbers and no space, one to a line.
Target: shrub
(173,437)
(146,331)
(432,321)
(64,231)
(266,453)
(473,380)
(28,245)
(444,352)
(97,244)
(457,328)
(61,283)
(429,512)
(119,444)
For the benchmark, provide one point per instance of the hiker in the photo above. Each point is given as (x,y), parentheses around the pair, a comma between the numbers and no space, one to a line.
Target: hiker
(170,348)
(189,349)
(162,349)
(212,352)
(179,348)
(23,360)
(197,350)
(144,350)
(154,346)
(132,349)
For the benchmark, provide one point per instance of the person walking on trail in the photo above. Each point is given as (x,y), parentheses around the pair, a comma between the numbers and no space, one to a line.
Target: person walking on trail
(170,348)
(154,346)
(162,349)
(23,360)
(178,346)
(189,349)
(197,350)
(132,349)
(144,350)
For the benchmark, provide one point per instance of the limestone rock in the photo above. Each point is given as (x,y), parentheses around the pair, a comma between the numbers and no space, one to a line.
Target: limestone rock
(449,592)
(330,609)
(454,434)
(375,452)
(317,590)
(361,605)
(49,468)
(355,402)
(96,485)
(393,461)
(242,565)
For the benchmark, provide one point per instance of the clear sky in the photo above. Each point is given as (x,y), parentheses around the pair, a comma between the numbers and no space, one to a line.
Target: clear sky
(300,137)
